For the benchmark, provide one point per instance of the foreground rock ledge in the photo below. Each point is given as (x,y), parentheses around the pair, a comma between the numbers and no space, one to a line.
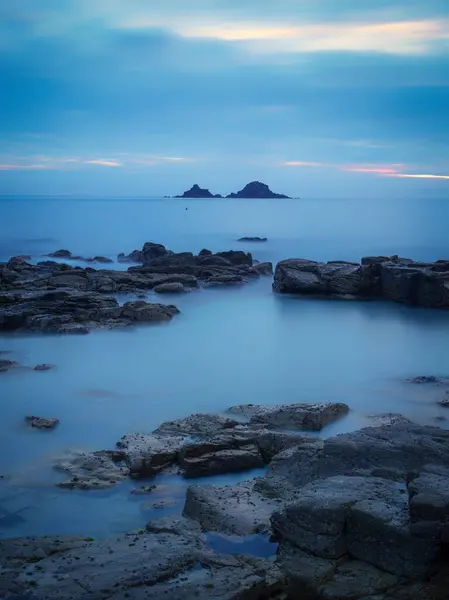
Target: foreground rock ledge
(392,278)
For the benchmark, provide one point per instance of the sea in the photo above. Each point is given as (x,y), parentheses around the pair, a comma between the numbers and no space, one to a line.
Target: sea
(228,346)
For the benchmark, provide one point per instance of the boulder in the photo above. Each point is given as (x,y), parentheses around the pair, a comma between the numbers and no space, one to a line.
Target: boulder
(170,288)
(302,416)
(264,268)
(60,254)
(147,312)
(218,462)
(252,239)
(42,422)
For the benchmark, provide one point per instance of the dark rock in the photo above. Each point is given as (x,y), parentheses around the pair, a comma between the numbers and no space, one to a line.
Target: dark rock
(219,280)
(252,239)
(424,379)
(197,192)
(255,189)
(444,402)
(237,257)
(170,288)
(43,367)
(292,416)
(205,252)
(70,311)
(222,461)
(42,422)
(265,268)
(393,278)
(60,254)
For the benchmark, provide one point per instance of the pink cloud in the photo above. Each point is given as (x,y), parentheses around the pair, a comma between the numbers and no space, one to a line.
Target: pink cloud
(103,163)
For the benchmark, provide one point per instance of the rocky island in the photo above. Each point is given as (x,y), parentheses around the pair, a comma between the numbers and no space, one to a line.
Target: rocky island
(255,189)
(197,192)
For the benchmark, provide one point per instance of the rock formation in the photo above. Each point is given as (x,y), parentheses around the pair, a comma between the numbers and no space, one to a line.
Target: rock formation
(197,192)
(392,278)
(256,189)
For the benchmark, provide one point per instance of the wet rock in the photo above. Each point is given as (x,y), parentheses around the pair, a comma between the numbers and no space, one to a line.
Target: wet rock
(424,379)
(147,455)
(252,239)
(389,419)
(70,311)
(170,563)
(239,509)
(391,451)
(102,259)
(429,496)
(292,416)
(197,425)
(43,367)
(445,401)
(93,470)
(392,278)
(42,422)
(170,288)
(144,490)
(264,268)
(7,365)
(219,280)
(222,461)
(60,254)
(205,252)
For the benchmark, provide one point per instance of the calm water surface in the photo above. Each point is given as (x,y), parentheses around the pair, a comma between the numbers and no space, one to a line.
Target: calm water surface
(228,346)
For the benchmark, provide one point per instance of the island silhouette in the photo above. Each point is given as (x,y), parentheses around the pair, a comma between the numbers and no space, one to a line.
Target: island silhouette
(255,189)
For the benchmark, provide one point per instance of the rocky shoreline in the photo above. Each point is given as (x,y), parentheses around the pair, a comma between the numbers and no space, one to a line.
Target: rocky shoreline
(360,515)
(376,277)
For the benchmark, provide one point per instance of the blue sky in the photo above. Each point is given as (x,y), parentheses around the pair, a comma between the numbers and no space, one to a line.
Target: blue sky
(146,97)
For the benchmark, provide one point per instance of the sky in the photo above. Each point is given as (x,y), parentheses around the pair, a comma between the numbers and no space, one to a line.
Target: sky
(317,98)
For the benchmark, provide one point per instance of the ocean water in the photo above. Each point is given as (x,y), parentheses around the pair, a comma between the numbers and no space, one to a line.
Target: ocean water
(228,346)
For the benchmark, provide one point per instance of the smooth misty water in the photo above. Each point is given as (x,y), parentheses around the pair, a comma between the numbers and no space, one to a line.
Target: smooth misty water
(228,346)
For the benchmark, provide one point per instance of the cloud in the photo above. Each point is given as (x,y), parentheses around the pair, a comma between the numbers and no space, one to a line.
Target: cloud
(103,163)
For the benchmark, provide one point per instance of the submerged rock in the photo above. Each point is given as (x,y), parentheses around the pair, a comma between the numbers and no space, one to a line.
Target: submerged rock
(292,416)
(43,367)
(93,470)
(7,365)
(252,239)
(392,278)
(42,422)
(197,425)
(170,288)
(60,254)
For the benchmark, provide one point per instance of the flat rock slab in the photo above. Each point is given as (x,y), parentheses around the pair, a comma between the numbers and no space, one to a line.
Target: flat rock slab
(198,425)
(301,416)
(93,470)
(223,461)
(169,563)
(237,509)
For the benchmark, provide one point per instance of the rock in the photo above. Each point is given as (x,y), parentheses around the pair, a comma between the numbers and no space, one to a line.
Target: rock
(7,365)
(222,461)
(133,257)
(424,379)
(147,312)
(238,509)
(205,252)
(199,425)
(60,254)
(102,259)
(197,192)
(70,311)
(255,189)
(292,416)
(444,402)
(237,257)
(252,239)
(42,422)
(171,562)
(170,288)
(429,496)
(147,455)
(389,451)
(219,280)
(144,489)
(265,268)
(392,278)
(93,470)
(365,517)
(43,367)
(389,419)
